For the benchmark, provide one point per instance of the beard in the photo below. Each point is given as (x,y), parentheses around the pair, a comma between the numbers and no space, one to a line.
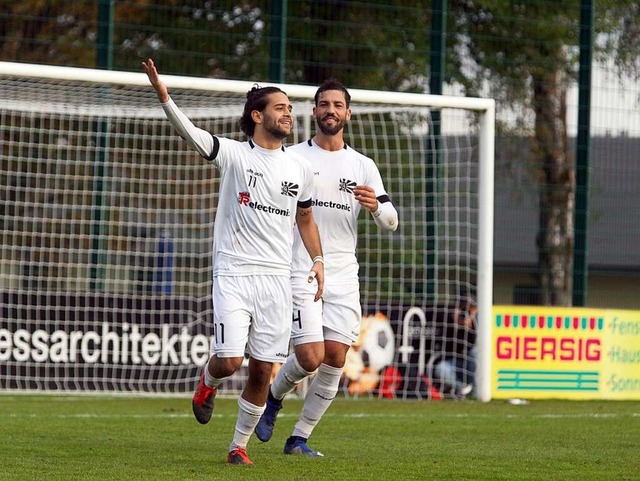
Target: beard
(274,129)
(330,130)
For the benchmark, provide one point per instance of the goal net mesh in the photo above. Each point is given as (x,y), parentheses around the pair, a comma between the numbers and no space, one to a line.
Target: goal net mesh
(107,221)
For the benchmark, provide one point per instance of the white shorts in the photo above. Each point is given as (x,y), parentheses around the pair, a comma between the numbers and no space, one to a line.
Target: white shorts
(252,314)
(336,317)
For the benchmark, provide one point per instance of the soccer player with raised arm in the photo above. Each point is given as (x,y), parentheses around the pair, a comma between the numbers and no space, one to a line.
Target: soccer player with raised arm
(263,188)
(322,333)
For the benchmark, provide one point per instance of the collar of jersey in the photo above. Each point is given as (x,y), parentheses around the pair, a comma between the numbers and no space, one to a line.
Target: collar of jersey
(254,146)
(311,143)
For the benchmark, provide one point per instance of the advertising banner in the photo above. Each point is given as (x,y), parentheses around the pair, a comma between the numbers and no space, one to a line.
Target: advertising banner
(157,344)
(103,342)
(567,353)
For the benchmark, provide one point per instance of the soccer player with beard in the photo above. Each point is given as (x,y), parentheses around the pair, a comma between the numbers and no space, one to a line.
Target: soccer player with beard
(322,333)
(263,187)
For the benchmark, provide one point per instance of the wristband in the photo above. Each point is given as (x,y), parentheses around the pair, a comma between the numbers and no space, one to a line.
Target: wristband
(318,259)
(377,213)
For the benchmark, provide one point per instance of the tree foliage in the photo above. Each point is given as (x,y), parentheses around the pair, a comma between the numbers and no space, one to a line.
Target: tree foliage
(186,37)
(375,45)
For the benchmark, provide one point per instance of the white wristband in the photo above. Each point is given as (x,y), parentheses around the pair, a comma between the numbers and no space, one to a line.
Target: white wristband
(318,259)
(377,213)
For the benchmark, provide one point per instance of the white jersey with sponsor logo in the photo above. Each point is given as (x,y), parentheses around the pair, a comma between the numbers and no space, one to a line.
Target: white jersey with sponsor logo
(335,209)
(259,194)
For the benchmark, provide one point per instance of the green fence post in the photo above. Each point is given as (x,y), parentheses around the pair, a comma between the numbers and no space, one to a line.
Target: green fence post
(437,58)
(277,45)
(104,60)
(583,155)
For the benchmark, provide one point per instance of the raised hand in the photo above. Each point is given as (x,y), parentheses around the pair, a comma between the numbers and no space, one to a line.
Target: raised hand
(161,89)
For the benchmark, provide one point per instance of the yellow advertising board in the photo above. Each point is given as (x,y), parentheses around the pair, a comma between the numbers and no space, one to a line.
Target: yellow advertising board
(568,353)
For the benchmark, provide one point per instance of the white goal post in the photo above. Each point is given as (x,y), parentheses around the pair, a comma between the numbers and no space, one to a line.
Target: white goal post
(106,222)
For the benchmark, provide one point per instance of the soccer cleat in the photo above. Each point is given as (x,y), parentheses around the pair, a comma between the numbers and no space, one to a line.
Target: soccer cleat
(298,445)
(238,457)
(202,402)
(462,392)
(466,389)
(264,428)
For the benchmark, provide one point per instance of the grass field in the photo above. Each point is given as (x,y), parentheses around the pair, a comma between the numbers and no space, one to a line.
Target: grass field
(104,438)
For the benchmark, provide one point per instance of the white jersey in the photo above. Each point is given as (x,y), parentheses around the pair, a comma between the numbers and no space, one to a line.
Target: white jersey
(259,194)
(335,209)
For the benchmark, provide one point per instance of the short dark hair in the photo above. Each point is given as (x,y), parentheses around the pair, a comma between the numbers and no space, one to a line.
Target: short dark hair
(466,296)
(256,100)
(332,84)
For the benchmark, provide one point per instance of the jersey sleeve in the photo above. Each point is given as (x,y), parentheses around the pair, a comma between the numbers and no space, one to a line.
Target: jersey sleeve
(386,217)
(200,140)
(226,152)
(374,179)
(306,190)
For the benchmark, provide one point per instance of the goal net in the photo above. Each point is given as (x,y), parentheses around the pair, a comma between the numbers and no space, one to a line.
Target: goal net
(107,221)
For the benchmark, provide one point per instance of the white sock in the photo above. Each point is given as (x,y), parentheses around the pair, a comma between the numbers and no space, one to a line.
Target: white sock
(209,380)
(321,393)
(288,377)
(248,417)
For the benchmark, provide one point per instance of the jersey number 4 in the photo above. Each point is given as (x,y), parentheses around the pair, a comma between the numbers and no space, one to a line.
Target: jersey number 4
(297,319)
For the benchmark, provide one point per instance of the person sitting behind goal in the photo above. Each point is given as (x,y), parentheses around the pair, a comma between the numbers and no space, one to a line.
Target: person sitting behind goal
(454,366)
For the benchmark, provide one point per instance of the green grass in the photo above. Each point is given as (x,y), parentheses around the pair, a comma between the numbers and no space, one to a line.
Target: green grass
(103,438)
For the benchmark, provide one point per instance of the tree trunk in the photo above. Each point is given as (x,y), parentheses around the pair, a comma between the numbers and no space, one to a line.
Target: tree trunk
(557,190)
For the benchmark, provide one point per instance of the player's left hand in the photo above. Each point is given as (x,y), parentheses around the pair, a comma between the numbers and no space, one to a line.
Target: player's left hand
(366,196)
(317,273)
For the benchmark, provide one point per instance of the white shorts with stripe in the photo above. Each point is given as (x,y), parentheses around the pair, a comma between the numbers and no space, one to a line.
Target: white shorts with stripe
(252,314)
(336,317)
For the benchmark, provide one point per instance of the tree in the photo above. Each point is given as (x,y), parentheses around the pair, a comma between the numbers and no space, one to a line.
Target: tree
(373,45)
(53,31)
(187,37)
(526,54)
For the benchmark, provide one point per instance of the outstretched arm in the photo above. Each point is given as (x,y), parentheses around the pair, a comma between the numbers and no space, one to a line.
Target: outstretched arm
(311,239)
(383,212)
(199,139)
